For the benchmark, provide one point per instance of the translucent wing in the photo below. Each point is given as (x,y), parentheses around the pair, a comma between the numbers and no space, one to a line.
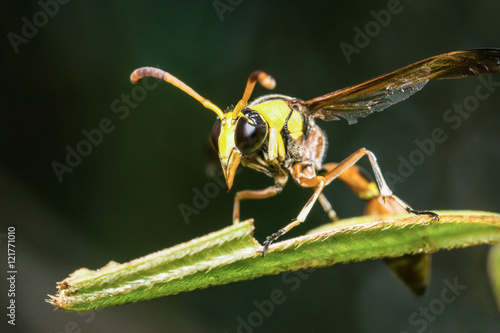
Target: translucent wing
(381,92)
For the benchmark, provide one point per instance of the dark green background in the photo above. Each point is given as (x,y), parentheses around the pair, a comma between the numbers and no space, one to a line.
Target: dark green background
(122,201)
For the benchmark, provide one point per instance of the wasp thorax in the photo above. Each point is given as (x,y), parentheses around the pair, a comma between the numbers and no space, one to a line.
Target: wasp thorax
(251,131)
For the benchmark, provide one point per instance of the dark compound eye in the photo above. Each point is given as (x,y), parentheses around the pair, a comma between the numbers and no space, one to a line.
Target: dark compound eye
(250,133)
(216,134)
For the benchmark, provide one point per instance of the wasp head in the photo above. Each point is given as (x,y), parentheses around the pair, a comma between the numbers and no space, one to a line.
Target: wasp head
(235,138)
(236,133)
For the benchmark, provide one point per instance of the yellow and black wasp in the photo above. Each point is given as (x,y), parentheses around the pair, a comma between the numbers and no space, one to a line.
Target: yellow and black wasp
(277,134)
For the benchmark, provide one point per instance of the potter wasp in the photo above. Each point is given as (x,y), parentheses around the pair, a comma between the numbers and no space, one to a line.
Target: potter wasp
(278,135)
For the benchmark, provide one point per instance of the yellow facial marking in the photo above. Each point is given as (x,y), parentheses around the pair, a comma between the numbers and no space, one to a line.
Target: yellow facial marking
(226,138)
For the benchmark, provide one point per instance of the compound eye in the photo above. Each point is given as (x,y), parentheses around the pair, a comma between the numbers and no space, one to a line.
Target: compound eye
(216,133)
(250,133)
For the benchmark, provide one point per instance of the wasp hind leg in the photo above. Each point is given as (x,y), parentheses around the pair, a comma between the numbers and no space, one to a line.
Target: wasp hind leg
(342,171)
(362,184)
(423,212)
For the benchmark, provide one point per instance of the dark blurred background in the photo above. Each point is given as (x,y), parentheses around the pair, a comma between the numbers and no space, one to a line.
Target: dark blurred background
(121,201)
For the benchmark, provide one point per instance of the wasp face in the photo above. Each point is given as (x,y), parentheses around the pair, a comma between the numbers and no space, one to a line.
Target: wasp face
(236,138)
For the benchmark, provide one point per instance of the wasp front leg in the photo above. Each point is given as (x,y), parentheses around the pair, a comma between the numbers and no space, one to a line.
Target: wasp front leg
(252,194)
(276,154)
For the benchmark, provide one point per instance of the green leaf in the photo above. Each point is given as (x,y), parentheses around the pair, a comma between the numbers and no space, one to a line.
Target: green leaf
(494,272)
(230,255)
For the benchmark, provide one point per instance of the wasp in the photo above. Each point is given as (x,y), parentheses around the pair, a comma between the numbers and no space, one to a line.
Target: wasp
(278,135)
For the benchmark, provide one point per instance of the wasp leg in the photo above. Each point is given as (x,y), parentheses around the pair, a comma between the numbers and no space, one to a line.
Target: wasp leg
(413,270)
(423,212)
(252,194)
(327,207)
(365,188)
(385,191)
(357,179)
(319,182)
(361,186)
(411,210)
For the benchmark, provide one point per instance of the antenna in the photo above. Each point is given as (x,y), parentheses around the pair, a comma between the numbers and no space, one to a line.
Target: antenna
(265,80)
(143,72)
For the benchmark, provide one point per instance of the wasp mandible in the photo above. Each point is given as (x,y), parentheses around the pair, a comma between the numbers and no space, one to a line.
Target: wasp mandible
(277,134)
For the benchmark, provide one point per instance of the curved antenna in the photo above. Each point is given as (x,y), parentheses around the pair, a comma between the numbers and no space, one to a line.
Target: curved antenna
(265,80)
(143,72)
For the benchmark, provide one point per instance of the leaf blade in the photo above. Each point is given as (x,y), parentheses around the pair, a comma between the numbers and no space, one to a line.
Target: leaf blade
(230,255)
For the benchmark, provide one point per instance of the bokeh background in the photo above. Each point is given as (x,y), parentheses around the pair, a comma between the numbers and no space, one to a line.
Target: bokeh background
(122,200)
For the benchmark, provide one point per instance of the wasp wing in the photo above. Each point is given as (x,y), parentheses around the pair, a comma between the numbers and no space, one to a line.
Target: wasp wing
(381,92)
